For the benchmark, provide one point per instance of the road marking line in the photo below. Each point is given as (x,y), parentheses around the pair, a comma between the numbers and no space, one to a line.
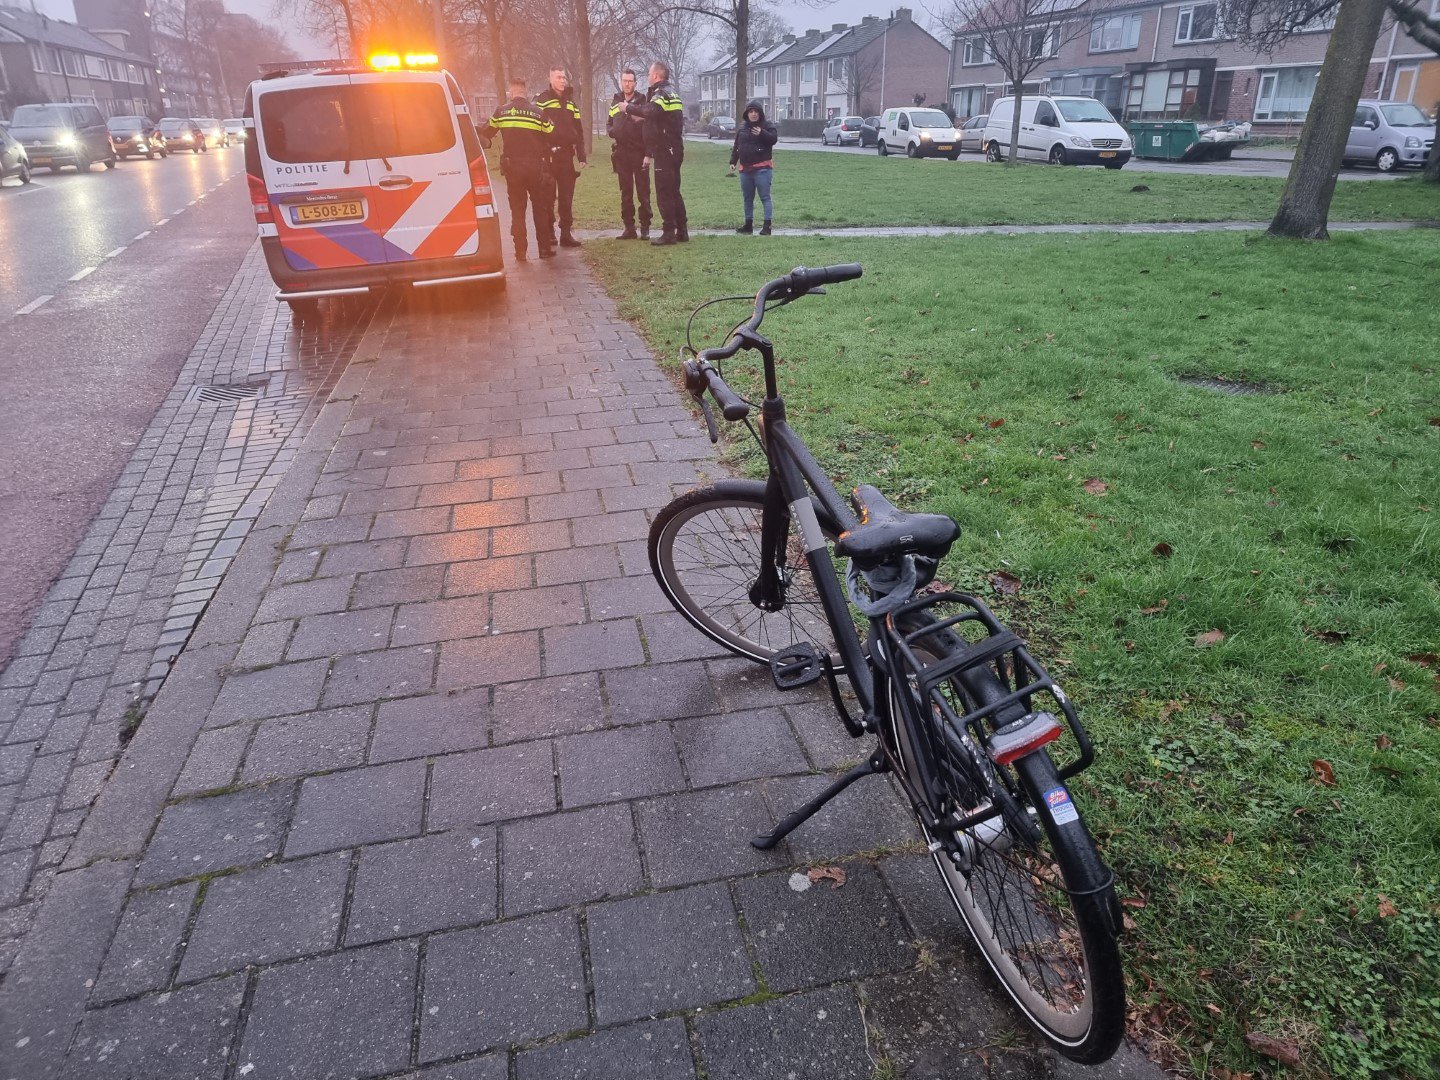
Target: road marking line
(83,273)
(117,251)
(177,213)
(141,236)
(192,202)
(39,301)
(162,221)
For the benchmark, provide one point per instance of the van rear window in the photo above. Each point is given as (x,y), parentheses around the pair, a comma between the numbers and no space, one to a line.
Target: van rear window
(354,123)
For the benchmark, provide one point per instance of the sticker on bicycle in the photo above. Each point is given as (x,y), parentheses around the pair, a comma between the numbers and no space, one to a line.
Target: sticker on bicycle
(1061,808)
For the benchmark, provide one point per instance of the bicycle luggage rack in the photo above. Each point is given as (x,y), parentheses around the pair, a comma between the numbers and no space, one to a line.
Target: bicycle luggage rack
(1022,675)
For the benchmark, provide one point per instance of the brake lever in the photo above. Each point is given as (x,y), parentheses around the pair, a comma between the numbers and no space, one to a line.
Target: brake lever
(695,384)
(709,418)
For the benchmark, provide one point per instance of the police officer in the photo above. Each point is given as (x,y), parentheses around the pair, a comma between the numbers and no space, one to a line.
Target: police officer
(664,118)
(627,158)
(567,148)
(525,161)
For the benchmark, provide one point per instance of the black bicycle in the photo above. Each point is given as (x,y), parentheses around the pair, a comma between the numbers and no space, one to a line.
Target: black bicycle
(962,712)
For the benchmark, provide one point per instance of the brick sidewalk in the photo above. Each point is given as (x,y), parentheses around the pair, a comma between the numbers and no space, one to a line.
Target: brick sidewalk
(441,787)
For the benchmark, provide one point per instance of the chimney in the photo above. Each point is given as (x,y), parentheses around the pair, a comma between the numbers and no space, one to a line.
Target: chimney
(812,33)
(903,14)
(868,19)
(789,39)
(835,28)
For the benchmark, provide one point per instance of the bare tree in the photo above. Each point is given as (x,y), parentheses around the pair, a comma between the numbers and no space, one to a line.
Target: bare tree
(860,77)
(1021,36)
(677,36)
(194,25)
(742,20)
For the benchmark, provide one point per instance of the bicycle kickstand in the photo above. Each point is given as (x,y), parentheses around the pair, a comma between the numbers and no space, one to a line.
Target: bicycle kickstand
(875,763)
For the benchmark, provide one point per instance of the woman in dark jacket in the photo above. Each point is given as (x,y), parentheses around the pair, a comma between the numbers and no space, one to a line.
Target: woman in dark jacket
(754,138)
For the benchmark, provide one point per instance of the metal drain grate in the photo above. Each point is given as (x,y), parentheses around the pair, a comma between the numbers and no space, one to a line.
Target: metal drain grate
(1226,386)
(225,394)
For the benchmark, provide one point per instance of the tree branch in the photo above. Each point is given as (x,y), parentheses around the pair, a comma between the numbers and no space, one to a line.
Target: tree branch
(1423,28)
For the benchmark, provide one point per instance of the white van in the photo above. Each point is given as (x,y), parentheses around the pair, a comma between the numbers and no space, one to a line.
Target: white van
(1060,130)
(917,132)
(362,179)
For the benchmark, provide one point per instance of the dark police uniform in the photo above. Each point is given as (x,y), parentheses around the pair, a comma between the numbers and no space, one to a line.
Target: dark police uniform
(627,158)
(664,117)
(525,161)
(566,145)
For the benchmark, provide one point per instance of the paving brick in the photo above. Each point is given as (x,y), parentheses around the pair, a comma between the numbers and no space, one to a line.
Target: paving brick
(929,1018)
(16,760)
(433,724)
(434,882)
(441,620)
(533,609)
(492,785)
(563,859)
(610,765)
(15,870)
(669,951)
(213,760)
(364,556)
(341,634)
(346,1015)
(541,707)
(867,816)
(827,743)
(381,500)
(599,476)
(374,676)
(145,946)
(487,1067)
(512,982)
(484,661)
(202,836)
(277,691)
(592,646)
(264,644)
(488,575)
(458,491)
(313,743)
(567,504)
(417,522)
(338,530)
(361,806)
(452,547)
(272,913)
(184,1035)
(739,746)
(815,1036)
(47,775)
(657,1050)
(405,585)
(931,914)
(523,539)
(660,692)
(486,515)
(703,835)
(613,598)
(577,564)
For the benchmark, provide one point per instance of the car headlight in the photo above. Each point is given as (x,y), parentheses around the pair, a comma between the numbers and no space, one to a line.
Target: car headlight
(187,137)
(924,136)
(1080,140)
(66,138)
(1412,142)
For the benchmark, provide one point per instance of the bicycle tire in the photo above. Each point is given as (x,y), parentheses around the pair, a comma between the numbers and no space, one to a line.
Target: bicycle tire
(705,554)
(1074,996)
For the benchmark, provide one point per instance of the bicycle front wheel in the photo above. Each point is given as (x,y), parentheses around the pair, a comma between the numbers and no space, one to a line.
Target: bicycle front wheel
(1052,946)
(705,553)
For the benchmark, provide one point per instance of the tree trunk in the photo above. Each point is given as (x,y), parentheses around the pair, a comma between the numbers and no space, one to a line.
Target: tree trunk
(497,50)
(742,57)
(586,82)
(1015,126)
(1432,164)
(1304,210)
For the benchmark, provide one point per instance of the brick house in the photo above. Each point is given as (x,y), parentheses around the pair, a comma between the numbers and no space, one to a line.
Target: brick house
(1159,60)
(43,59)
(846,70)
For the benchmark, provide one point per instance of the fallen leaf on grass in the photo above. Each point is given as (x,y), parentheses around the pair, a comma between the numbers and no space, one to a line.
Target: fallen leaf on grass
(1162,550)
(1395,684)
(1387,910)
(1156,609)
(1424,659)
(996,423)
(1435,421)
(1330,637)
(1281,1050)
(1095,486)
(1208,638)
(1383,742)
(833,874)
(1005,584)
(1324,772)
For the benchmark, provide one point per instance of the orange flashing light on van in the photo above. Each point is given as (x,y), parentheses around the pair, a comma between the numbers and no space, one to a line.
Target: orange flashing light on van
(362,179)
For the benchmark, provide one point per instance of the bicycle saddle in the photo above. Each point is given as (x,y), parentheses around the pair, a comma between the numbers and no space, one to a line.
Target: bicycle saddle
(886,531)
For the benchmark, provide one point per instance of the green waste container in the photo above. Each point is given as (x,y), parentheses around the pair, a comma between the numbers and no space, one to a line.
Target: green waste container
(1164,140)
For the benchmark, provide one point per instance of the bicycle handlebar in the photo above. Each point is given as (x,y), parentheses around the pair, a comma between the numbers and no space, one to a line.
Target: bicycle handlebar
(792,286)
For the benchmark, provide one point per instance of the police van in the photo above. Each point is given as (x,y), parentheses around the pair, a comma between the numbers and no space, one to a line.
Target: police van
(364,178)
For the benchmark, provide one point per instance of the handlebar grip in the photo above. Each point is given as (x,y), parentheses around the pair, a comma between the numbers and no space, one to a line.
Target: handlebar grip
(809,277)
(732,405)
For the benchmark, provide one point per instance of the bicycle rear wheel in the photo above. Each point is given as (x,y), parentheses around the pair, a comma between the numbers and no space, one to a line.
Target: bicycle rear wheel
(705,553)
(1052,947)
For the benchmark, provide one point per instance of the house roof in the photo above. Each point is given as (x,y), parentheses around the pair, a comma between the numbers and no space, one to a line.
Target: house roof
(31,27)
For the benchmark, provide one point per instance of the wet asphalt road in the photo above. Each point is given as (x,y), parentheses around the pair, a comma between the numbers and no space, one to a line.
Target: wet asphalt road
(82,373)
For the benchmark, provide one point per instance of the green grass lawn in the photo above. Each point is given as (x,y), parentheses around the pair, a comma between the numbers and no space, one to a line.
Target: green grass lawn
(843,189)
(993,379)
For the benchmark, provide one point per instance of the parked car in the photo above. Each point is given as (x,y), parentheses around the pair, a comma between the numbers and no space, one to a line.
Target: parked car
(234,129)
(972,133)
(918,133)
(59,134)
(870,131)
(841,130)
(335,167)
(13,159)
(720,127)
(213,130)
(1389,135)
(182,134)
(1060,130)
(136,135)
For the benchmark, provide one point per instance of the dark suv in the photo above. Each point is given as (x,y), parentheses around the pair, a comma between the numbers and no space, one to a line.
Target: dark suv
(136,135)
(60,134)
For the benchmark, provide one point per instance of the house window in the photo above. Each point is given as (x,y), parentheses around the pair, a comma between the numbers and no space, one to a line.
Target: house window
(808,74)
(1038,43)
(1161,95)
(37,58)
(73,64)
(95,67)
(761,78)
(837,69)
(968,100)
(1285,93)
(782,75)
(134,74)
(1197,23)
(56,68)
(704,85)
(1119,32)
(807,107)
(975,52)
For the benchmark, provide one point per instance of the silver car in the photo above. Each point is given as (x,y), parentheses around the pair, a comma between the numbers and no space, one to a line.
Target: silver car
(972,133)
(1389,135)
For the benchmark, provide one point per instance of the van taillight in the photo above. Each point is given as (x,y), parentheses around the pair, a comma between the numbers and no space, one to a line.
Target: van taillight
(259,199)
(480,182)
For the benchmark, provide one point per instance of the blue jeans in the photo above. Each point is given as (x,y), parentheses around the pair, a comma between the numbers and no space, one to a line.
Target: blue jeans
(751,181)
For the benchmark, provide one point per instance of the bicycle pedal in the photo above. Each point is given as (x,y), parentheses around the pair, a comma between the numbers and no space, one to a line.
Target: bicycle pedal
(796,666)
